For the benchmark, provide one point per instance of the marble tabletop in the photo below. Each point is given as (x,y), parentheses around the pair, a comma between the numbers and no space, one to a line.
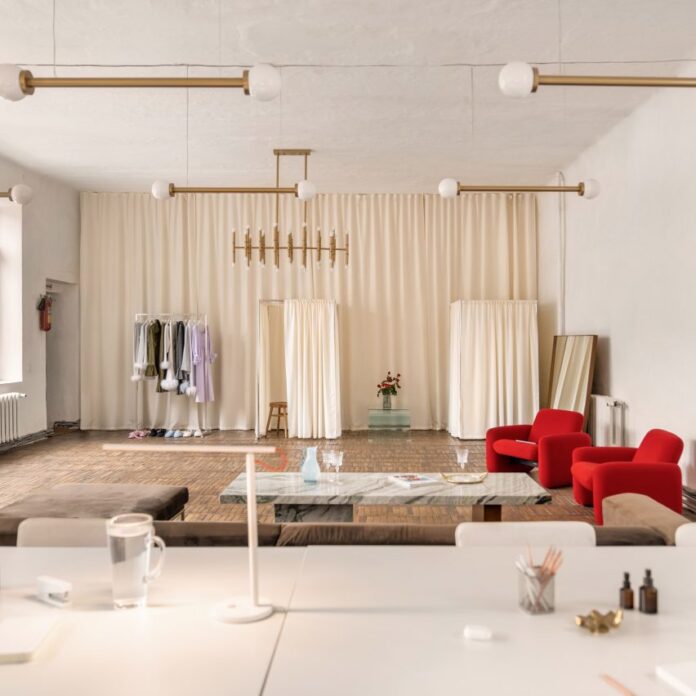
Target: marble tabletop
(377,489)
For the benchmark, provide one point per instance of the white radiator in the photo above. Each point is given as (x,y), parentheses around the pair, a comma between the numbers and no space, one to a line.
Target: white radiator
(607,423)
(9,416)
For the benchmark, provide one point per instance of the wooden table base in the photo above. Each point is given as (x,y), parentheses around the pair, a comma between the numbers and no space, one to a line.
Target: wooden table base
(486,513)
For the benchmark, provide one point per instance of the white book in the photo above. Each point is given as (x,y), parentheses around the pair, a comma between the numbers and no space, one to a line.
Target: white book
(680,676)
(412,480)
(21,637)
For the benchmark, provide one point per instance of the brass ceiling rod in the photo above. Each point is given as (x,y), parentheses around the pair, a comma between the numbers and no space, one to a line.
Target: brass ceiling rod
(262,82)
(521,79)
(451,188)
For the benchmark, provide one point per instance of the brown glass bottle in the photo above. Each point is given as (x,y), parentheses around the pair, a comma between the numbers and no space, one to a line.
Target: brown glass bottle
(648,595)
(626,593)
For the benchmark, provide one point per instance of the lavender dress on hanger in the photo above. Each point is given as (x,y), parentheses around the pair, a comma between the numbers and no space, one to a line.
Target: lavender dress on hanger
(203,356)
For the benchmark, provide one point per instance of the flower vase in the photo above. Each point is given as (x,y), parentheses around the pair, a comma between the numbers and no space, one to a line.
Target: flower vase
(310,466)
(386,402)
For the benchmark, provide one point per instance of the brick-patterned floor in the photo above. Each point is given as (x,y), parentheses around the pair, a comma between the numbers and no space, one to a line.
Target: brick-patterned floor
(78,457)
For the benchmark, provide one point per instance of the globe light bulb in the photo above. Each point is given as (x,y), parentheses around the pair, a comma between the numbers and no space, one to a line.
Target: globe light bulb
(161,190)
(516,80)
(591,188)
(10,88)
(306,190)
(264,82)
(21,194)
(448,188)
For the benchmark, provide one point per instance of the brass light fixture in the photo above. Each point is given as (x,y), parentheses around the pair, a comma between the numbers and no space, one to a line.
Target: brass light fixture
(21,194)
(451,188)
(291,247)
(262,82)
(521,79)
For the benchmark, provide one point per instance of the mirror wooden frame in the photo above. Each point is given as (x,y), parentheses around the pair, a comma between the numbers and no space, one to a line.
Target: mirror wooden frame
(593,359)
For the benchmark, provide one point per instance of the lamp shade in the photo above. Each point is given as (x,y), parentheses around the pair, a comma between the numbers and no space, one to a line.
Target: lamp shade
(306,190)
(516,80)
(161,190)
(9,82)
(591,188)
(448,188)
(264,82)
(21,194)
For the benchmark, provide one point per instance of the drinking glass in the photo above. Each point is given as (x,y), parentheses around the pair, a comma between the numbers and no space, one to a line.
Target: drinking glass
(131,540)
(334,459)
(462,457)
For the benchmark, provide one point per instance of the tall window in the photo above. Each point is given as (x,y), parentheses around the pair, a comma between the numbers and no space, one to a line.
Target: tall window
(10,293)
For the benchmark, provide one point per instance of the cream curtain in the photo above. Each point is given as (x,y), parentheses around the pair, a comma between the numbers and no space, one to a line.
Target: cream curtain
(411,255)
(271,361)
(494,365)
(312,368)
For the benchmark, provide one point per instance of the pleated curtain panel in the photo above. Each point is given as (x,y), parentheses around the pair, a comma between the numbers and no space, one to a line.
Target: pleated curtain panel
(494,365)
(312,368)
(411,256)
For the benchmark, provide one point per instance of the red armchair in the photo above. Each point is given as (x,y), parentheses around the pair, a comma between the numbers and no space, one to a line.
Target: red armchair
(651,469)
(549,442)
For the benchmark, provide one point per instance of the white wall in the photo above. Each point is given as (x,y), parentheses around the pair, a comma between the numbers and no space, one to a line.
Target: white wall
(631,265)
(50,249)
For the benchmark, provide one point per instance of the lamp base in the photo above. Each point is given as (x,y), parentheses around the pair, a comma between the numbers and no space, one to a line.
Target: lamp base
(241,610)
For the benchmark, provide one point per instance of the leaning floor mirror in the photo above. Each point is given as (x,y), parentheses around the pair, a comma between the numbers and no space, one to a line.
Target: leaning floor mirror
(572,372)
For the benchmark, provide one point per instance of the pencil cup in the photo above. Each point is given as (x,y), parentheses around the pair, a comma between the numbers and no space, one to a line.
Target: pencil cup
(536,591)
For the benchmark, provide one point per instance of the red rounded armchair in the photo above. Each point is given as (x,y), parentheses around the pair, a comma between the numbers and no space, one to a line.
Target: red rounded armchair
(548,442)
(651,469)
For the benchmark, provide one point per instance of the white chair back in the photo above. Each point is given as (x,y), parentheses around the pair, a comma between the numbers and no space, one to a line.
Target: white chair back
(686,535)
(60,531)
(525,533)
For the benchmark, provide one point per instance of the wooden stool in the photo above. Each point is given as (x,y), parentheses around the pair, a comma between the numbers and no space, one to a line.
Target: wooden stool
(280,410)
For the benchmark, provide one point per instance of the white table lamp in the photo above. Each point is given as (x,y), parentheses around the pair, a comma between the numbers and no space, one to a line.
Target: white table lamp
(242,609)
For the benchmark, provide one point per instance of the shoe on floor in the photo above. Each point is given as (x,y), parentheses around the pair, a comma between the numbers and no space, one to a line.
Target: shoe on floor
(198,433)
(133,434)
(186,433)
(169,433)
(153,432)
(161,432)
(177,433)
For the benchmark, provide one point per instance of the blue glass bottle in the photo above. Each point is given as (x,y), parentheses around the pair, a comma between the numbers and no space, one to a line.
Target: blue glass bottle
(310,465)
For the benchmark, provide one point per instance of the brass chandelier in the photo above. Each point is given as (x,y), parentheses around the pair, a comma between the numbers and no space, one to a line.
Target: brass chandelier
(291,247)
(521,79)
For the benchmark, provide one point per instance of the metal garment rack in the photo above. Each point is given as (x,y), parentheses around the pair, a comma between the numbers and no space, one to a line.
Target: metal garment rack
(168,316)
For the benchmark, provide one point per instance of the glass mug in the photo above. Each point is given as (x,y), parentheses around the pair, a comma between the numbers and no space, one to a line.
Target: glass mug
(131,540)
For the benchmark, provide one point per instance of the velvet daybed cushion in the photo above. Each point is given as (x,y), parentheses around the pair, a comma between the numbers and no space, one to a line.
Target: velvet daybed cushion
(99,500)
(177,533)
(352,534)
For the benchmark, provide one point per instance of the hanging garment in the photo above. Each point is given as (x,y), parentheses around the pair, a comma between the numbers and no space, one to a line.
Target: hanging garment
(139,350)
(170,382)
(154,330)
(203,358)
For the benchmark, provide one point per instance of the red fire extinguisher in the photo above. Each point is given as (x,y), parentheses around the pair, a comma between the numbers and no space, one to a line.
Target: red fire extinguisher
(44,308)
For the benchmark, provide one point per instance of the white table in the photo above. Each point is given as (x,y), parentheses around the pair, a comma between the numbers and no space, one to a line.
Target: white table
(388,620)
(173,647)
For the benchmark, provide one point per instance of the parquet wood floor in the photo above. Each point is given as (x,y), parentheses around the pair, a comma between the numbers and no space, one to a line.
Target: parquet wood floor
(77,457)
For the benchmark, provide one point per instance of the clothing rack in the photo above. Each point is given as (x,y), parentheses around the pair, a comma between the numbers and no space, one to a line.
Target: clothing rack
(140,394)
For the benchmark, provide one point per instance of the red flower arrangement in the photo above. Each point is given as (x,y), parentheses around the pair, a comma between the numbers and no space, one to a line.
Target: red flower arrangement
(389,385)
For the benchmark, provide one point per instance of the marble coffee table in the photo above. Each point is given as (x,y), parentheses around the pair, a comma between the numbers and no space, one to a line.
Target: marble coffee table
(326,500)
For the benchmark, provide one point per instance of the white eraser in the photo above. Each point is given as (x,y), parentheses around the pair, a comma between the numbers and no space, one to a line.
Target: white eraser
(53,591)
(473,632)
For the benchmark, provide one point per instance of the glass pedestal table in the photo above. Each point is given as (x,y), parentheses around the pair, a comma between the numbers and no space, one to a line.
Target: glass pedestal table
(328,501)
(389,419)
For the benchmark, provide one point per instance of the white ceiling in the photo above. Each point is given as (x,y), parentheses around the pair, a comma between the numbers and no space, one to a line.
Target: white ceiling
(392,95)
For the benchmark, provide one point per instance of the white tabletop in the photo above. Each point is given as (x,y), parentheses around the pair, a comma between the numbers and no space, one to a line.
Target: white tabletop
(389,620)
(173,647)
